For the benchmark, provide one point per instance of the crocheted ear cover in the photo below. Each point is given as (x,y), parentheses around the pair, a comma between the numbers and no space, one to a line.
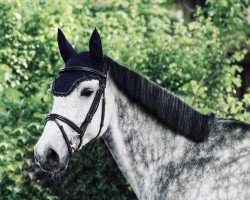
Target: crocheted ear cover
(67,81)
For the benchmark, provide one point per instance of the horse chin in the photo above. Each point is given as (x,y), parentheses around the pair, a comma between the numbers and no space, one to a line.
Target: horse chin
(63,166)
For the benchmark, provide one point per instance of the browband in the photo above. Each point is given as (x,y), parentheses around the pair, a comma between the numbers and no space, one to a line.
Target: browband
(86,69)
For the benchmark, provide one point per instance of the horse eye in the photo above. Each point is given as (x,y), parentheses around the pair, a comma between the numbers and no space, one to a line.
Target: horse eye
(86,92)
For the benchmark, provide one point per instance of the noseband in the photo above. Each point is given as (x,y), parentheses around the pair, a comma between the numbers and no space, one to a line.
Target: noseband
(100,93)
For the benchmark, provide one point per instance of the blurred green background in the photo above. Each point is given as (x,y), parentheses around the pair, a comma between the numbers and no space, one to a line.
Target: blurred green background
(192,48)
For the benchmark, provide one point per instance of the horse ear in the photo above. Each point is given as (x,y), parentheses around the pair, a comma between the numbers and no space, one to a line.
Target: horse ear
(65,48)
(95,46)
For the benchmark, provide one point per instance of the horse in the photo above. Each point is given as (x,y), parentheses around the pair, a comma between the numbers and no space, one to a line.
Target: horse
(165,148)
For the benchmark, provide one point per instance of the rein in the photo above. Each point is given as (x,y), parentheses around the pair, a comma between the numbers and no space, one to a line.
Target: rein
(100,93)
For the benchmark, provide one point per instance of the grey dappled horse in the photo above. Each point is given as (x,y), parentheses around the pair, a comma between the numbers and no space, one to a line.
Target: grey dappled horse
(164,148)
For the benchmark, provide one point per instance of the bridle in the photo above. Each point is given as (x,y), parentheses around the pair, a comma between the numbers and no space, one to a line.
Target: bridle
(100,93)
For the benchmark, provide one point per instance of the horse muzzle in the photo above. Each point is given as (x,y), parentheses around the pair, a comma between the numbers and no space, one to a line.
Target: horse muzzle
(51,162)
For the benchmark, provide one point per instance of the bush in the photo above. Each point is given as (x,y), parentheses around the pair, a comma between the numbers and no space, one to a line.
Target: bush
(188,58)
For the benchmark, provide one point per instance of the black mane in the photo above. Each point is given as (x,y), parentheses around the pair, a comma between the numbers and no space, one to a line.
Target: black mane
(167,107)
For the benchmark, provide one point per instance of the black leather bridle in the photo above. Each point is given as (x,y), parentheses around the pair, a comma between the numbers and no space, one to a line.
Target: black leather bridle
(100,93)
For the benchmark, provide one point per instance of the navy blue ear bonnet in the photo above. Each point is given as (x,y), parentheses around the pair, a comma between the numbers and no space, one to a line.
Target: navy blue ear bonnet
(68,80)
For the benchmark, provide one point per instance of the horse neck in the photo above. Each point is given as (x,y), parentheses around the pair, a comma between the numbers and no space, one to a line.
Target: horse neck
(142,147)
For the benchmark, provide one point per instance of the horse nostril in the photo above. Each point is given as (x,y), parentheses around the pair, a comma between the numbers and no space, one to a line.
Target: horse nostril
(52,157)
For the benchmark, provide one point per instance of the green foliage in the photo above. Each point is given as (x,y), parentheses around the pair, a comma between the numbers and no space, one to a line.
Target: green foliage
(229,16)
(188,58)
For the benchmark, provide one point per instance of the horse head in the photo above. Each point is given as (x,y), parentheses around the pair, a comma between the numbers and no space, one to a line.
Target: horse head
(78,114)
